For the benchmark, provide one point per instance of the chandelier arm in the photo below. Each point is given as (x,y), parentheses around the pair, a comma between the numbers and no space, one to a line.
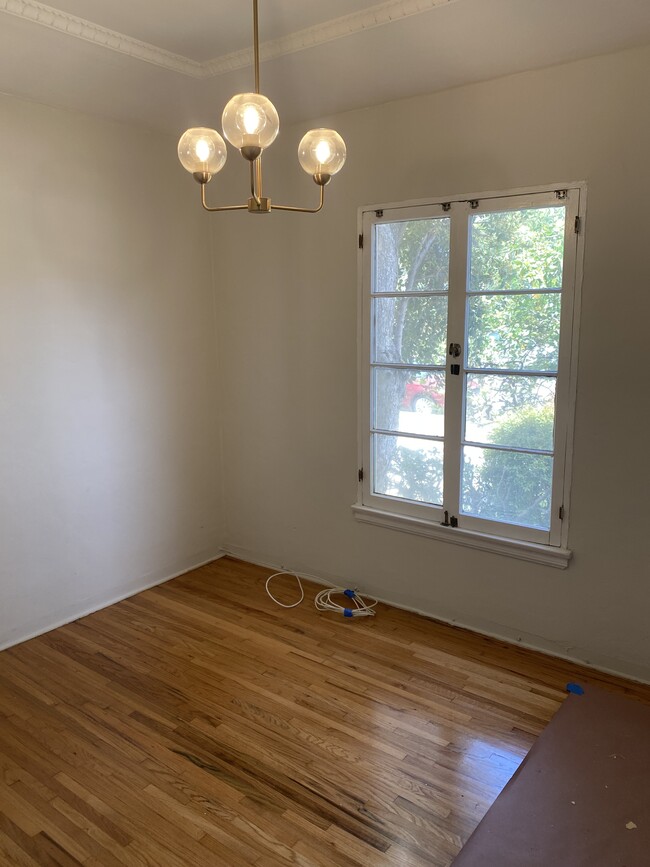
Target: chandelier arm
(256,46)
(222,207)
(303,210)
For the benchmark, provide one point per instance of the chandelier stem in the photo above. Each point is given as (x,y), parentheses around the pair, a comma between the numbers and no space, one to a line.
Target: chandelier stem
(256,181)
(258,175)
(256,46)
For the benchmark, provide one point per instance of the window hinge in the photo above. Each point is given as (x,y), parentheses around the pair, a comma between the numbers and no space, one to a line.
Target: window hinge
(361,242)
(361,474)
(560,513)
(577,225)
(561,194)
(379,214)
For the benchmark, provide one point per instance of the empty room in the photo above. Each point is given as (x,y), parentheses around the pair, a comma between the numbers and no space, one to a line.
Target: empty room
(324,433)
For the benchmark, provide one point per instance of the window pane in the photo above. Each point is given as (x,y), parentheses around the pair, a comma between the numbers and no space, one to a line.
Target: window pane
(412,256)
(507,486)
(517,250)
(410,330)
(514,411)
(515,332)
(408,468)
(411,401)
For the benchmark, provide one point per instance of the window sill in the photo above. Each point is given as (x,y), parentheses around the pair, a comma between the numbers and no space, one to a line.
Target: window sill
(544,554)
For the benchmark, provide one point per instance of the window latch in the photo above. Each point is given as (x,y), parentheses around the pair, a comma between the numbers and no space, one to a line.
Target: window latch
(454,351)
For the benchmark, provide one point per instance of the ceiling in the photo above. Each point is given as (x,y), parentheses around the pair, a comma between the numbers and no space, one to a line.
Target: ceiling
(172,65)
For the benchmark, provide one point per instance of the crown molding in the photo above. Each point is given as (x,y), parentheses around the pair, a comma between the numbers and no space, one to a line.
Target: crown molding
(319,34)
(337,28)
(80,28)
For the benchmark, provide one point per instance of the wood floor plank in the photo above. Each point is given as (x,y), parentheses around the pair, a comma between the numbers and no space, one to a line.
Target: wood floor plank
(198,723)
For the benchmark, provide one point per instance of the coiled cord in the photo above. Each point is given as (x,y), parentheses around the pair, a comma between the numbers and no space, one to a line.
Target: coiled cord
(324,601)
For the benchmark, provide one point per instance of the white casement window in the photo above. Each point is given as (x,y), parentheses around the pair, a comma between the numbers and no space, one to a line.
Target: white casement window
(468,339)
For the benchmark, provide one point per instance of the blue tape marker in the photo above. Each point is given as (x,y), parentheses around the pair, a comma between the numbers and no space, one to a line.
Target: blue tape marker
(575,688)
(349,594)
(347,612)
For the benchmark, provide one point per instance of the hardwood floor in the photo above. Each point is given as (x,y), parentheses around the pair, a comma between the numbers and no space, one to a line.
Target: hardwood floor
(199,724)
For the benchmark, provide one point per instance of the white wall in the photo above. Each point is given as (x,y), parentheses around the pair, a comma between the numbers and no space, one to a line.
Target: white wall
(288,338)
(109,434)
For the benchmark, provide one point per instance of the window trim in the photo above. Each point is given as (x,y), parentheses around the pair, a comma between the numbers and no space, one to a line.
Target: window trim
(547,555)
(400,514)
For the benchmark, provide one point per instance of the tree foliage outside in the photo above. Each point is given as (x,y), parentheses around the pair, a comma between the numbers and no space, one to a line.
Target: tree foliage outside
(511,486)
(510,251)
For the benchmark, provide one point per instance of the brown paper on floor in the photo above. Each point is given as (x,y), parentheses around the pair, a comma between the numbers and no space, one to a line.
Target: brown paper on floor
(581,797)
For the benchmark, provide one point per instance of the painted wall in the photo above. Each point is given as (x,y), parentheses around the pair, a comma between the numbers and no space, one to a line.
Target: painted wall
(288,343)
(109,434)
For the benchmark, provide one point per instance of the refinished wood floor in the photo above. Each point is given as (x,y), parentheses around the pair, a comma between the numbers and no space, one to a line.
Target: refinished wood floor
(199,724)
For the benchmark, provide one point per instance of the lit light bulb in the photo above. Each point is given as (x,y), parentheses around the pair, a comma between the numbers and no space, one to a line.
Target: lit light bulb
(202,150)
(321,152)
(252,120)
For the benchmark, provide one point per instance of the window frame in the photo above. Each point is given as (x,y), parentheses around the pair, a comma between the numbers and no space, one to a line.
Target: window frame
(550,547)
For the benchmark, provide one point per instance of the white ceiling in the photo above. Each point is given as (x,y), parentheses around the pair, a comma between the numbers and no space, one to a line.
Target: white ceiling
(173,65)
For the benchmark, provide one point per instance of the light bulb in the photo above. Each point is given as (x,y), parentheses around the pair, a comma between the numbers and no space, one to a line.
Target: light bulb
(322,151)
(250,120)
(202,150)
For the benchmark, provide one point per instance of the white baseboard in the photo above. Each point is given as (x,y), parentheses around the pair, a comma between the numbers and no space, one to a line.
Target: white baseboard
(70,614)
(616,667)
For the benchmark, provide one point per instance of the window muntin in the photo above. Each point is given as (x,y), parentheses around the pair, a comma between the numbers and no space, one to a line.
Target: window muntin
(487,445)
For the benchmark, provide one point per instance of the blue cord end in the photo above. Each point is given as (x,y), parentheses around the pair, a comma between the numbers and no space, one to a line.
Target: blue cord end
(349,594)
(575,688)
(347,612)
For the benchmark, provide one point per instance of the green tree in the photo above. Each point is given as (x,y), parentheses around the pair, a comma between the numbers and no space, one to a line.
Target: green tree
(510,486)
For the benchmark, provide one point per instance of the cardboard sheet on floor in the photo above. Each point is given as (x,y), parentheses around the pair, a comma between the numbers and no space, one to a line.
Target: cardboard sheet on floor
(581,798)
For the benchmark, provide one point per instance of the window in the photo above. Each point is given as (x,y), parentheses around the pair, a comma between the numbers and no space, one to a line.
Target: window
(467,333)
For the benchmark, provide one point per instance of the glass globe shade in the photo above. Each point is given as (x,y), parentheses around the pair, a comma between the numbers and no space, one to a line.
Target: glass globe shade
(322,151)
(250,120)
(202,150)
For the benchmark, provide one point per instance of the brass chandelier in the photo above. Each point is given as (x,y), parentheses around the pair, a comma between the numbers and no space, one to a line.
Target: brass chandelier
(250,123)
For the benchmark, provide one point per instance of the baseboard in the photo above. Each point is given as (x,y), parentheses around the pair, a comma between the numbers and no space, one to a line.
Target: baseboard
(70,615)
(615,667)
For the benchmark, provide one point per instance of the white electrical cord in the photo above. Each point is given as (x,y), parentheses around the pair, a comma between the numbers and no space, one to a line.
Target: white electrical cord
(277,601)
(324,601)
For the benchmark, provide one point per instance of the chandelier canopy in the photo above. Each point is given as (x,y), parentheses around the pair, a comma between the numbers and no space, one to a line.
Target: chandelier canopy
(251,123)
